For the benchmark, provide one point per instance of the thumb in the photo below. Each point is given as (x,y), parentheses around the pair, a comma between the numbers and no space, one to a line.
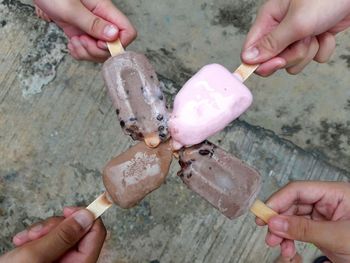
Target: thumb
(63,237)
(273,43)
(93,25)
(325,234)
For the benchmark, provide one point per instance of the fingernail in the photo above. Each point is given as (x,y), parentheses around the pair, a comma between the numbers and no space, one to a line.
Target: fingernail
(110,31)
(250,53)
(278,224)
(84,218)
(36,228)
(21,235)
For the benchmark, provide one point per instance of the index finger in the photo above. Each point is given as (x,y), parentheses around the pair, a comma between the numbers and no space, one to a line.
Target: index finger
(299,192)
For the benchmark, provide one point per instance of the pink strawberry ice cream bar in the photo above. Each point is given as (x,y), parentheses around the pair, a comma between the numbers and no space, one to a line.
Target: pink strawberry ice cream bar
(206,104)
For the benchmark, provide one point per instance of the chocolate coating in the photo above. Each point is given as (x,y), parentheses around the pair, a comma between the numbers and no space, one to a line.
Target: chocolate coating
(220,178)
(135,91)
(135,173)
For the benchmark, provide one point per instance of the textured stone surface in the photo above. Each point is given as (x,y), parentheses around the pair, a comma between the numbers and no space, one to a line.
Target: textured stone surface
(58,129)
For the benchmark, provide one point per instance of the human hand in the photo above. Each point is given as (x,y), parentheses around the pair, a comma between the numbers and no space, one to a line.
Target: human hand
(88,24)
(314,212)
(72,238)
(291,33)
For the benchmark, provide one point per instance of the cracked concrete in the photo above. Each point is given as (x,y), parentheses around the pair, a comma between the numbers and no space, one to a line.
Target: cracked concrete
(58,129)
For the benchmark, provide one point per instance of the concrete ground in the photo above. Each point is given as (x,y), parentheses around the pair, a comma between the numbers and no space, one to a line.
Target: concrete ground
(58,129)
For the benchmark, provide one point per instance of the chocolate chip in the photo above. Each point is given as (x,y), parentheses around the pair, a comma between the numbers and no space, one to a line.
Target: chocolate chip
(162,135)
(207,142)
(160,117)
(122,124)
(161,128)
(210,168)
(204,152)
(189,175)
(117,111)
(182,164)
(180,174)
(133,119)
(161,97)
(142,88)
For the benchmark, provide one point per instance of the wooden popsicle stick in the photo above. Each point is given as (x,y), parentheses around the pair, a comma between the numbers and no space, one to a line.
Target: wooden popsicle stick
(115,48)
(262,211)
(245,70)
(100,205)
(152,140)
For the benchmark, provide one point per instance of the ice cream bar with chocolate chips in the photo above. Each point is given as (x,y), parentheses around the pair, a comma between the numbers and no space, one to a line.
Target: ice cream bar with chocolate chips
(137,97)
(220,178)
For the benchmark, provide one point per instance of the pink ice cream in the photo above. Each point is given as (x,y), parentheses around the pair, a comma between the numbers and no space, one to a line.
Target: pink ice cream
(206,104)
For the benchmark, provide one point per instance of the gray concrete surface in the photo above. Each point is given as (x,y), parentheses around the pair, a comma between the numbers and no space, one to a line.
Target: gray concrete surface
(58,129)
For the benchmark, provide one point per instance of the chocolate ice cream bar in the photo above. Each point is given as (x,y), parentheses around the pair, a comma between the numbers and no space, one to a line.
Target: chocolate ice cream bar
(135,173)
(223,180)
(137,97)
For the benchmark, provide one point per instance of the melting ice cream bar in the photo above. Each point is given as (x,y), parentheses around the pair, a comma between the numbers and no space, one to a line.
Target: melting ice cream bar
(220,178)
(137,97)
(135,173)
(206,104)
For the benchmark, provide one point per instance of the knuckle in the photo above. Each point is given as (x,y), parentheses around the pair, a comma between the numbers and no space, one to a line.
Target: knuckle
(26,253)
(300,53)
(264,74)
(68,235)
(95,24)
(293,70)
(133,33)
(54,219)
(269,43)
(321,59)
